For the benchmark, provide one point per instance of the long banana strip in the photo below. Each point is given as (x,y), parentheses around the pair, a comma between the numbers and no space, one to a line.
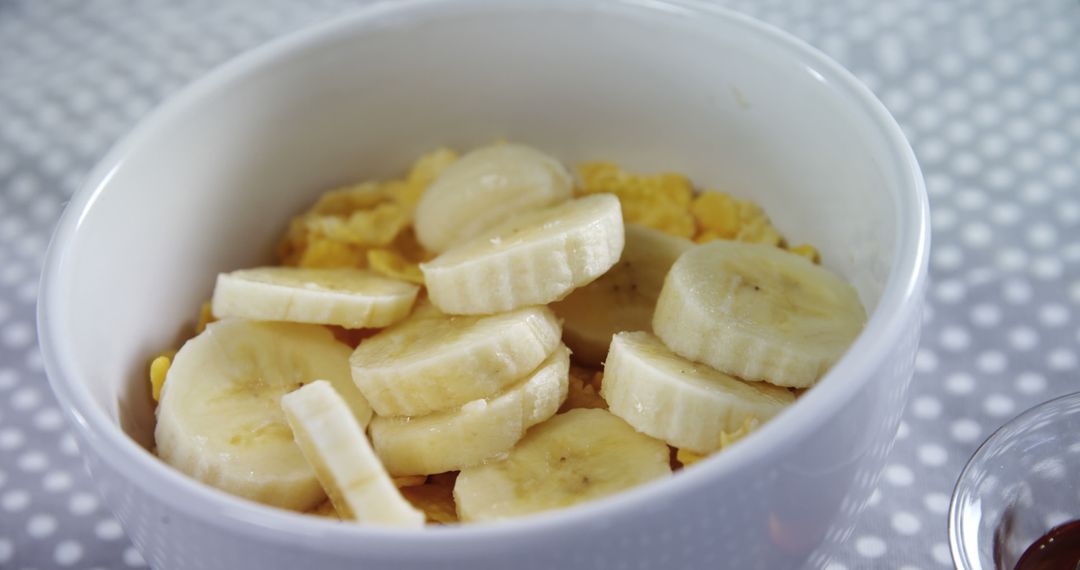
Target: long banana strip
(335,445)
(220,420)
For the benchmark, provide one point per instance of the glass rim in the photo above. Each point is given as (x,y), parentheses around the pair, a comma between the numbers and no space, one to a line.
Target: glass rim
(960,556)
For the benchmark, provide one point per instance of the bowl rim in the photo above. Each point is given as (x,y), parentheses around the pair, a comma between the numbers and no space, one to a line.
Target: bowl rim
(901,296)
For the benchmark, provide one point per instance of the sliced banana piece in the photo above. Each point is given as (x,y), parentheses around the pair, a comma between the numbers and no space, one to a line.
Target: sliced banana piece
(757,312)
(574,457)
(688,405)
(622,299)
(485,187)
(335,445)
(352,298)
(532,259)
(478,431)
(220,419)
(432,361)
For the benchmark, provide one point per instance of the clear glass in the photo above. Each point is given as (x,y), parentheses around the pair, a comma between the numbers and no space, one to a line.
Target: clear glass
(1022,482)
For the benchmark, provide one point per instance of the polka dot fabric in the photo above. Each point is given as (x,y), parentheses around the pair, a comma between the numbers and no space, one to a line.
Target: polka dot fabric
(988,91)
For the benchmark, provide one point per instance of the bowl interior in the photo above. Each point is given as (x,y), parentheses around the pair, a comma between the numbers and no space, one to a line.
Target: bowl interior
(209,182)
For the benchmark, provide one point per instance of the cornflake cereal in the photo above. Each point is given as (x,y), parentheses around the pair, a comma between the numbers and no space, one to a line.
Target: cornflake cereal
(688,458)
(369,225)
(666,202)
(660,201)
(206,316)
(365,225)
(159,367)
(584,389)
(435,498)
(325,509)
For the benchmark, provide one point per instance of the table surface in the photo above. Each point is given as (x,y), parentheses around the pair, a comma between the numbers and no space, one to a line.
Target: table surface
(988,91)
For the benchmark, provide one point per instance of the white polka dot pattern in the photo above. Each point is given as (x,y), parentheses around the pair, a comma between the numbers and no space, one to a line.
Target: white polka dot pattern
(73,89)
(988,91)
(990,102)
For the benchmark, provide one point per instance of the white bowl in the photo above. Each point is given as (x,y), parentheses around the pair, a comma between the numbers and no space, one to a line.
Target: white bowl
(207,183)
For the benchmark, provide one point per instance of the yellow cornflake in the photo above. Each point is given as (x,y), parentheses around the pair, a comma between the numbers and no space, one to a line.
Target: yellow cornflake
(376,226)
(659,214)
(392,264)
(707,236)
(717,214)
(687,457)
(404,195)
(325,253)
(659,201)
(159,368)
(343,224)
(206,316)
(608,177)
(435,498)
(294,245)
(409,480)
(727,438)
(584,391)
(755,227)
(428,167)
(808,251)
(721,216)
(344,201)
(326,509)
(422,173)
(759,231)
(333,205)
(409,247)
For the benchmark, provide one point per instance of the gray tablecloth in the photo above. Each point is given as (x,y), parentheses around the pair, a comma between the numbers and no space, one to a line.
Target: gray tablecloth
(988,91)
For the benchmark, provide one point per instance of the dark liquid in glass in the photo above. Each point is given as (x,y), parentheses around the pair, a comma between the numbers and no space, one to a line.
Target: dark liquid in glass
(1058,549)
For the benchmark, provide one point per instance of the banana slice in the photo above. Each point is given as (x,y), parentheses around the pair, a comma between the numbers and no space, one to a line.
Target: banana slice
(485,187)
(432,362)
(335,445)
(623,298)
(757,312)
(476,432)
(574,457)
(352,298)
(688,405)
(532,259)
(220,419)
